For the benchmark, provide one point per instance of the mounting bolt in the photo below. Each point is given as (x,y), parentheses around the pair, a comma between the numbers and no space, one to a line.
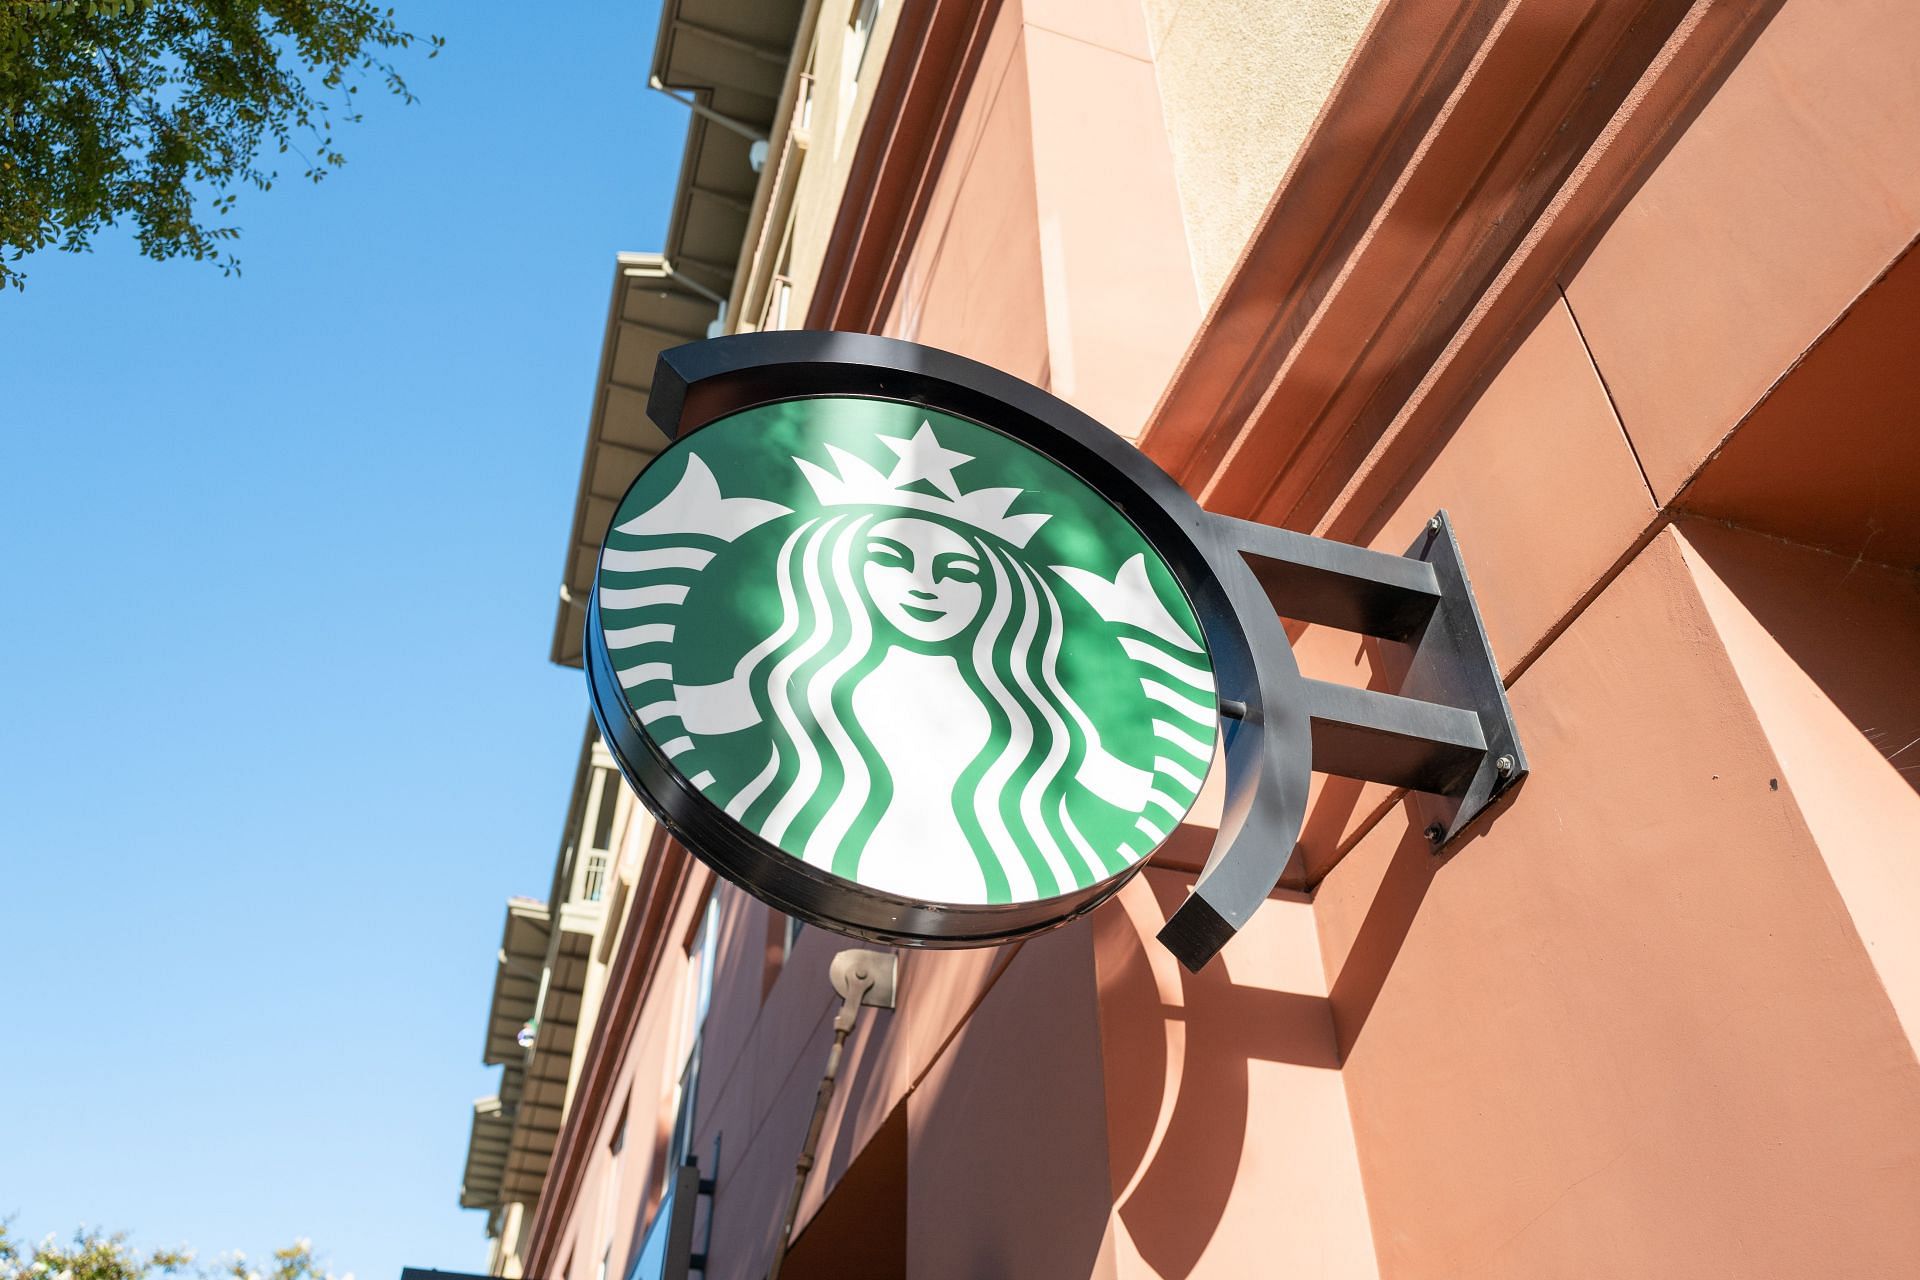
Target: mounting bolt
(1433,525)
(1504,766)
(1436,833)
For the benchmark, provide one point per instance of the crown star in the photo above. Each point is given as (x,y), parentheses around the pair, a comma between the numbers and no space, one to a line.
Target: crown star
(925,458)
(853,481)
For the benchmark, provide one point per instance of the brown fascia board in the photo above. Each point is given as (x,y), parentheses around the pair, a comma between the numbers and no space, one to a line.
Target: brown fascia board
(575,814)
(576,817)
(489,1140)
(698,129)
(570,609)
(657,69)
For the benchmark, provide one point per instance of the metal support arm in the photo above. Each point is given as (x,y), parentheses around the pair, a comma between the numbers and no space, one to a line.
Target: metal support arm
(860,978)
(1337,585)
(1382,737)
(1444,731)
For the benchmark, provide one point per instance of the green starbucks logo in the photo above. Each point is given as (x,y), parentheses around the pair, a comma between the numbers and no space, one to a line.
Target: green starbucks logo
(908,650)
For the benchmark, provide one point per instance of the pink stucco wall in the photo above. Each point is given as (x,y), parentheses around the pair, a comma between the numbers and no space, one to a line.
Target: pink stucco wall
(1654,1016)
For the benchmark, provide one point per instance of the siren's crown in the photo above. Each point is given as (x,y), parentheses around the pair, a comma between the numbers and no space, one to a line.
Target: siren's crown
(859,483)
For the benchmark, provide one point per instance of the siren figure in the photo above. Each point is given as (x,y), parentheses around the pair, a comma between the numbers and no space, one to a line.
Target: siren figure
(919,737)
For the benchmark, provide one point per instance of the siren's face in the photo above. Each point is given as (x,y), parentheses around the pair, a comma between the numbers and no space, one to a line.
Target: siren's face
(923,578)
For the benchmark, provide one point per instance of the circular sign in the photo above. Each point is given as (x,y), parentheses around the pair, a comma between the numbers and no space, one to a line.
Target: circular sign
(896,672)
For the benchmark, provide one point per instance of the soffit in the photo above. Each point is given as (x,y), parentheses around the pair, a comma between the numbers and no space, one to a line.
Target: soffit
(487,1145)
(731,56)
(516,979)
(542,1106)
(733,46)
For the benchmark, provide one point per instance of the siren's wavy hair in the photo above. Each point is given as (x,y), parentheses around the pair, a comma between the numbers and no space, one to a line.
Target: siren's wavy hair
(1011,800)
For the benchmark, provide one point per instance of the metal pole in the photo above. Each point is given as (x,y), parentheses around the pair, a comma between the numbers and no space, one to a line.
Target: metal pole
(699,108)
(858,984)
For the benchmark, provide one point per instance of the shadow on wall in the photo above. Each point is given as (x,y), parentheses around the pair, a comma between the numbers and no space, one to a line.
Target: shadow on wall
(1098,1078)
(1849,624)
(1174,1160)
(1007,1133)
(1180,1047)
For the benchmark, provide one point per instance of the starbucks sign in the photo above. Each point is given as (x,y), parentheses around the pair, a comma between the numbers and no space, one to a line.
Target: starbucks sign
(912,650)
(908,651)
(886,651)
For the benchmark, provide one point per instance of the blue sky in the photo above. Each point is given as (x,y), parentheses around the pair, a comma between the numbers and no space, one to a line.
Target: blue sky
(278,735)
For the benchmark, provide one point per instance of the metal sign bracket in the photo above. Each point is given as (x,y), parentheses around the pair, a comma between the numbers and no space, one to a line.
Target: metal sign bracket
(1444,730)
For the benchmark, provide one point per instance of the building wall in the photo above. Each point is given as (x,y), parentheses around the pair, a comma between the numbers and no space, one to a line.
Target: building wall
(839,118)
(1787,197)
(1655,1015)
(1052,246)
(1240,85)
(1649,1020)
(972,281)
(1230,1146)
(1629,1029)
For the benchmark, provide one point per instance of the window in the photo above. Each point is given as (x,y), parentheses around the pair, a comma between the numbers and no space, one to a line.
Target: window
(853,58)
(700,959)
(610,1189)
(618,1141)
(680,1146)
(608,792)
(865,14)
(777,313)
(701,954)
(603,797)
